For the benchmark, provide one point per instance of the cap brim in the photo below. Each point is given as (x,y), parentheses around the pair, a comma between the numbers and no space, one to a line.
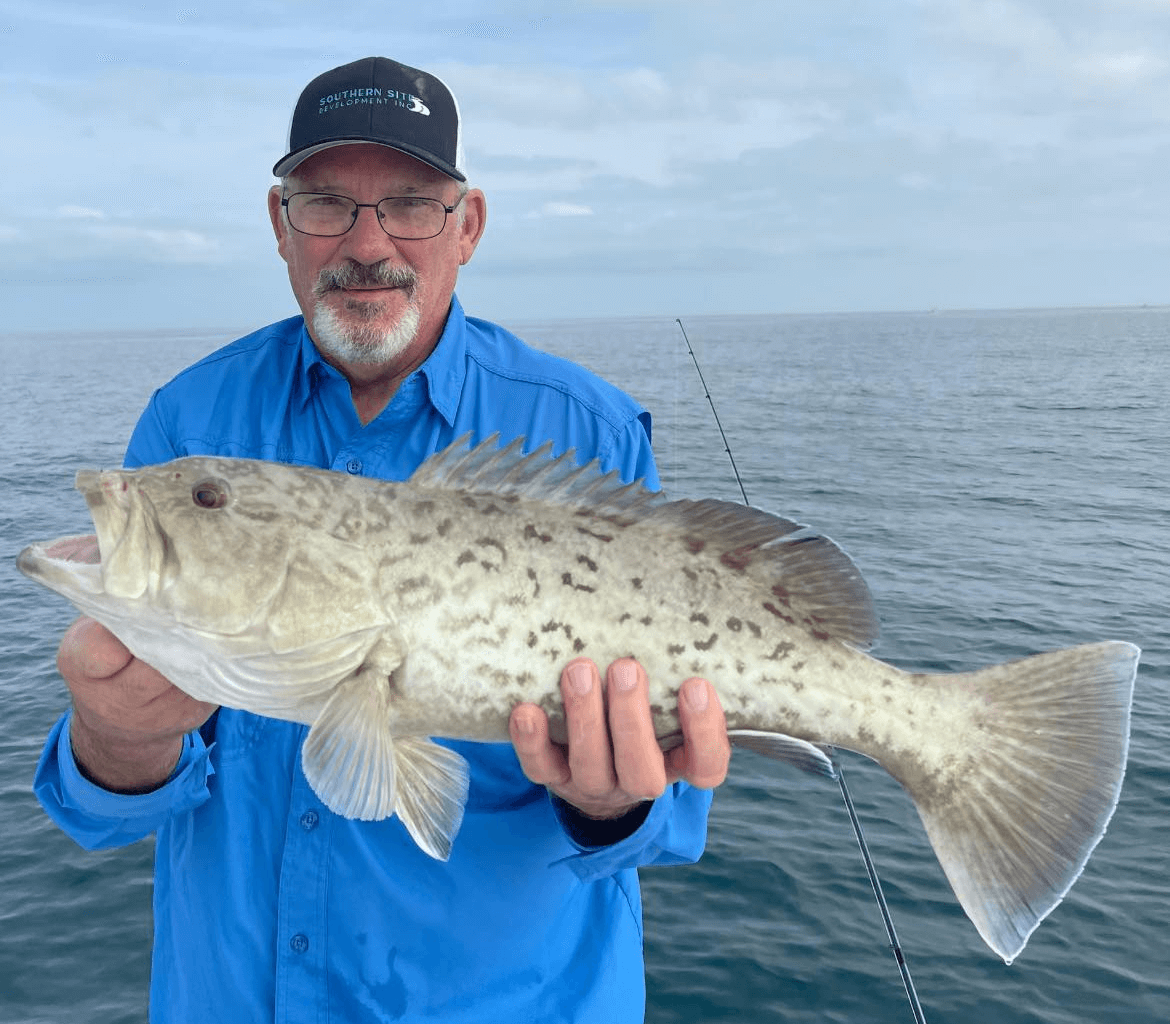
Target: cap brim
(293,159)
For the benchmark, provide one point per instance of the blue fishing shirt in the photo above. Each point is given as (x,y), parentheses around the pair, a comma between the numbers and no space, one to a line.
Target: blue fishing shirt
(268,907)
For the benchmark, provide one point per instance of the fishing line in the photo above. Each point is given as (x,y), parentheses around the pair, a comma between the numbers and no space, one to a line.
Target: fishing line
(874,881)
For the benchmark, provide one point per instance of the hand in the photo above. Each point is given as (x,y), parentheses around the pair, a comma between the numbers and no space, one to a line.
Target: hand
(613,761)
(128,721)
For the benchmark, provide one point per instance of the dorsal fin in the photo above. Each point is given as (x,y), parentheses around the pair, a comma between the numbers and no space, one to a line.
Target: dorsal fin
(490,469)
(813,582)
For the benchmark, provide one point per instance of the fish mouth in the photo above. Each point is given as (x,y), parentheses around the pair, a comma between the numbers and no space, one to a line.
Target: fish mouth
(123,558)
(69,565)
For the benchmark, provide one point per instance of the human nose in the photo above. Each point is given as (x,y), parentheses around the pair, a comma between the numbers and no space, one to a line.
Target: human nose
(366,241)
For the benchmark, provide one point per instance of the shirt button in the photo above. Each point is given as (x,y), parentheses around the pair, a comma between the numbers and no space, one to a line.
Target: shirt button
(309,820)
(299,943)
(354,466)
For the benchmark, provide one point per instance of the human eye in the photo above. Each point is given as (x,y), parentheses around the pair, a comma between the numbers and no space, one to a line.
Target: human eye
(407,204)
(324,201)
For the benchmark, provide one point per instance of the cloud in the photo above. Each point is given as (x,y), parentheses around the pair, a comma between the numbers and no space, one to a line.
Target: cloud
(637,124)
(170,245)
(560,209)
(79,213)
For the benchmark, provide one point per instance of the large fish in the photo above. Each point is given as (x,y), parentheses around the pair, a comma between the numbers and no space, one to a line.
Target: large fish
(382,614)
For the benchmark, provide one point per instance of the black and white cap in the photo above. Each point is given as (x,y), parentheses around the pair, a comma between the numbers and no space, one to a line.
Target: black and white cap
(381,101)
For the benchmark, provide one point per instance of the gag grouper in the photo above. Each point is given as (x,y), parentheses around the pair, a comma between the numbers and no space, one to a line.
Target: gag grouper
(382,614)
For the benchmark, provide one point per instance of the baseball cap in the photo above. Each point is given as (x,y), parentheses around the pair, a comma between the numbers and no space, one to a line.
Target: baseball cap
(381,101)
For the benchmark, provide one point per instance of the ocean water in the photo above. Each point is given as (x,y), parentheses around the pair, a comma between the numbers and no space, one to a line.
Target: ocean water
(999,477)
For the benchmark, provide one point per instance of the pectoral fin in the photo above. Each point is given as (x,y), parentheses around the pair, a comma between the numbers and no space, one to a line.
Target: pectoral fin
(348,756)
(360,770)
(808,757)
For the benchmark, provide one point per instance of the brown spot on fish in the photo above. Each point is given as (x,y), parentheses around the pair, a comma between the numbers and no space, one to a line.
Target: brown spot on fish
(567,580)
(646,620)
(754,629)
(690,574)
(694,544)
(781,651)
(420,538)
(578,645)
(636,582)
(768,606)
(604,538)
(738,558)
(532,533)
(734,624)
(588,562)
(465,557)
(535,583)
(675,649)
(782,594)
(700,617)
(624,617)
(706,645)
(443,528)
(533,640)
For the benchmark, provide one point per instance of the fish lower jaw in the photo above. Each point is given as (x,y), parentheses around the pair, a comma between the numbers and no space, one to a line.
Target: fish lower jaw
(69,565)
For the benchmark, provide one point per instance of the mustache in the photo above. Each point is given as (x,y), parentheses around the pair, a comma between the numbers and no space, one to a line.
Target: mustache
(352,274)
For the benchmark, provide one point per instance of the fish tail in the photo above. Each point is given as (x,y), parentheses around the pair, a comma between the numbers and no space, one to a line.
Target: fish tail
(1040,781)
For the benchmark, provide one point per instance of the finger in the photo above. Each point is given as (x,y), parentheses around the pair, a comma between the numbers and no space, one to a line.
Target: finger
(638,762)
(90,651)
(705,754)
(542,760)
(590,750)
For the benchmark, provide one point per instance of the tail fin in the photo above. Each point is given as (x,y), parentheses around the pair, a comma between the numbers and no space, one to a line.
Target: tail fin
(1043,784)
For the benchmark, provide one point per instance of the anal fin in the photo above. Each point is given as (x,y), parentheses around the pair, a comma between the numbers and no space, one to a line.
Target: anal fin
(808,757)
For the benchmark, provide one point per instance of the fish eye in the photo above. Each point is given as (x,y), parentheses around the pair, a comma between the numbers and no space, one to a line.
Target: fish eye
(210,494)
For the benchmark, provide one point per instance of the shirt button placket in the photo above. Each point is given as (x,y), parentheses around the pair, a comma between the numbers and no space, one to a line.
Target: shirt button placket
(301,917)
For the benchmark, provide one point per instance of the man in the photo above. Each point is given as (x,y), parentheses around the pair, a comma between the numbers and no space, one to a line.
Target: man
(267,906)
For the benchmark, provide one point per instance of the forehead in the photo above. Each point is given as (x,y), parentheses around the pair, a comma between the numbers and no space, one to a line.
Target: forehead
(366,165)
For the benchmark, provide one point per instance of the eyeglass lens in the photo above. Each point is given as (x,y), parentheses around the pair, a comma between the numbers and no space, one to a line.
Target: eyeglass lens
(316,213)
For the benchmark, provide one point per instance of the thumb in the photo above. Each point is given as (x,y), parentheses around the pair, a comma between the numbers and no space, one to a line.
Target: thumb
(90,650)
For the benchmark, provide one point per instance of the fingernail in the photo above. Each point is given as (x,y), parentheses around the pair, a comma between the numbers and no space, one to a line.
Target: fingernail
(580,678)
(524,724)
(695,693)
(625,675)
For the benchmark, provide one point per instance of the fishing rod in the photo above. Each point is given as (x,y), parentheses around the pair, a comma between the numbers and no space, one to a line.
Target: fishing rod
(874,881)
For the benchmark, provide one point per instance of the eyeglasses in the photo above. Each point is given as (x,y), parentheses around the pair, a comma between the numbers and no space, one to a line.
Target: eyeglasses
(326,215)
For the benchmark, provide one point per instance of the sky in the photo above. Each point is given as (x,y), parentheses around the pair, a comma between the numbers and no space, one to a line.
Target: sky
(639,157)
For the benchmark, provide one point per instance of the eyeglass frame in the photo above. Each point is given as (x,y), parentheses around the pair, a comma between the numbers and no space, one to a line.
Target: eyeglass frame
(447,211)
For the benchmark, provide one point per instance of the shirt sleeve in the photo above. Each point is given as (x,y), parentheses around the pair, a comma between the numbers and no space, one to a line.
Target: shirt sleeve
(631,454)
(674,832)
(150,444)
(97,819)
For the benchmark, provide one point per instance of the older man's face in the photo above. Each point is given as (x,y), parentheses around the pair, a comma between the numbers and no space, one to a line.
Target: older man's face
(366,297)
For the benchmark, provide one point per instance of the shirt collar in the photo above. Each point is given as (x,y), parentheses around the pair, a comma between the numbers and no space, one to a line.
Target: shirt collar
(444,370)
